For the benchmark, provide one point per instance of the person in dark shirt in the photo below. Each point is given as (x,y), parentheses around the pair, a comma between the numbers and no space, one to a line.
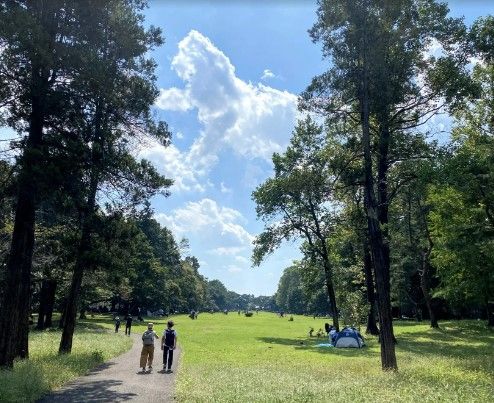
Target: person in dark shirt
(128,324)
(168,344)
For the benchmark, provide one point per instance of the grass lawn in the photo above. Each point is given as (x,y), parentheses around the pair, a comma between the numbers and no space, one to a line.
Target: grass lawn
(227,358)
(46,370)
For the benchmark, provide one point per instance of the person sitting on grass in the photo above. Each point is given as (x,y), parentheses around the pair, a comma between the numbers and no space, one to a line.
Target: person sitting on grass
(320,333)
(332,334)
(311,330)
(147,352)
(168,344)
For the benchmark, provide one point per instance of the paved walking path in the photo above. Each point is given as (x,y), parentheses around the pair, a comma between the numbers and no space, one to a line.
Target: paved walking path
(120,380)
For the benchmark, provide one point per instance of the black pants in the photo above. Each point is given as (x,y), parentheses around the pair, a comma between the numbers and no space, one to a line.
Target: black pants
(127,328)
(168,352)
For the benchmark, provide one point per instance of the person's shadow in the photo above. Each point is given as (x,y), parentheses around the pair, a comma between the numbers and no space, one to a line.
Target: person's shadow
(143,372)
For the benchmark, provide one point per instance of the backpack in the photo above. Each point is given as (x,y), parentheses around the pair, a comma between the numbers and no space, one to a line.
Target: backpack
(169,337)
(148,337)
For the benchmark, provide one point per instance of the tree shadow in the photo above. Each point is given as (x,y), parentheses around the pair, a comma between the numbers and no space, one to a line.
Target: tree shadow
(97,391)
(470,345)
(311,345)
(438,342)
(100,368)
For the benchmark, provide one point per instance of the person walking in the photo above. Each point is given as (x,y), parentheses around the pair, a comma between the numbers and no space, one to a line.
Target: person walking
(147,352)
(168,344)
(128,324)
(117,324)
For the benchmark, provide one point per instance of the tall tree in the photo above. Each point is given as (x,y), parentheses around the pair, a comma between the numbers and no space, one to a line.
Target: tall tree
(382,78)
(36,65)
(118,91)
(300,199)
(462,219)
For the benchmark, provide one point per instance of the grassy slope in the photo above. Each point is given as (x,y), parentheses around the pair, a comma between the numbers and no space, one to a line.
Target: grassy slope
(262,359)
(46,370)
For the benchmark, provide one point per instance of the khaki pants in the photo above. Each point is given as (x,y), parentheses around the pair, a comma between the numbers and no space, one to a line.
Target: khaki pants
(147,354)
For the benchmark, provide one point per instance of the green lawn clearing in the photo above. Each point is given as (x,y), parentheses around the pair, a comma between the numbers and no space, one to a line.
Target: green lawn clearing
(264,358)
(46,370)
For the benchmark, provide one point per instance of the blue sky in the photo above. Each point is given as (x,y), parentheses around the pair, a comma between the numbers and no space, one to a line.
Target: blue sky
(229,74)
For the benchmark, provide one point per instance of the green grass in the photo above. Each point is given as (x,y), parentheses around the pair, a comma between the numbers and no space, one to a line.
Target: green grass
(46,370)
(227,358)
(231,358)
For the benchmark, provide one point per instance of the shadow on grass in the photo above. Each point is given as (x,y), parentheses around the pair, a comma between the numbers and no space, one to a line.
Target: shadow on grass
(311,344)
(446,343)
(97,391)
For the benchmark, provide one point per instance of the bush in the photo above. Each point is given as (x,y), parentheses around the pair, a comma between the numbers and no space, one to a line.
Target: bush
(248,314)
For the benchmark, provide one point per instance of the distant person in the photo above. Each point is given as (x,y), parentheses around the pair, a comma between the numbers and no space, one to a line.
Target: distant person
(319,333)
(128,324)
(168,344)
(147,353)
(117,324)
(311,331)
(332,334)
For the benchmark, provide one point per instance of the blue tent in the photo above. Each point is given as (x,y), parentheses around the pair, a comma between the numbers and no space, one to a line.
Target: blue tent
(348,337)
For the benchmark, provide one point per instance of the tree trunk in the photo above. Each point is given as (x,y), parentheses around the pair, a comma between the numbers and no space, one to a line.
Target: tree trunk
(331,296)
(14,315)
(371,295)
(425,273)
(490,313)
(42,305)
(61,322)
(82,261)
(50,303)
(424,285)
(377,246)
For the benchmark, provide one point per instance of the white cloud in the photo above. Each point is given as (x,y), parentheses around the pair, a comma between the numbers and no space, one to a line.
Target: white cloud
(267,74)
(224,188)
(179,135)
(210,221)
(227,251)
(173,99)
(252,120)
(234,269)
(179,166)
(242,259)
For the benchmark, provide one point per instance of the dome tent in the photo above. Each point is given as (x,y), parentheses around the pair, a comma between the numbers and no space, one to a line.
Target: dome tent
(348,337)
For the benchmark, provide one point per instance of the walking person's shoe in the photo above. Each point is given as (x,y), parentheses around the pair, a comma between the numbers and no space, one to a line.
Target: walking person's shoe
(143,369)
(150,368)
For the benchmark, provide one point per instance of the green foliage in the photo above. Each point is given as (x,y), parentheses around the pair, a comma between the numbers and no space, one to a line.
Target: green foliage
(289,295)
(462,220)
(293,202)
(463,250)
